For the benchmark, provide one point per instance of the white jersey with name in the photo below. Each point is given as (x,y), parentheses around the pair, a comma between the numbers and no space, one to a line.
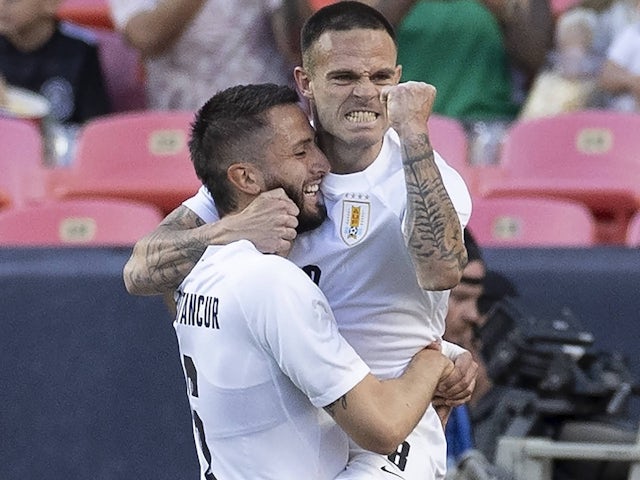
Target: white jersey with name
(360,261)
(261,353)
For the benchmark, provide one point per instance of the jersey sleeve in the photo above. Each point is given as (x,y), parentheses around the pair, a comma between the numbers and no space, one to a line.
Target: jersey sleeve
(295,325)
(202,204)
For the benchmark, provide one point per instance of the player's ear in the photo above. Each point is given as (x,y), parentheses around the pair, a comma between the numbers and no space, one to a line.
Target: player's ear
(303,82)
(398,74)
(246,178)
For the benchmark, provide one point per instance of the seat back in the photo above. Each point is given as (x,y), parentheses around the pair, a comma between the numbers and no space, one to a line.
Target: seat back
(531,222)
(588,156)
(633,231)
(141,156)
(78,222)
(21,159)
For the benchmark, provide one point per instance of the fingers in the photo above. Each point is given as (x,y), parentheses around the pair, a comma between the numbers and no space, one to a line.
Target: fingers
(279,194)
(458,386)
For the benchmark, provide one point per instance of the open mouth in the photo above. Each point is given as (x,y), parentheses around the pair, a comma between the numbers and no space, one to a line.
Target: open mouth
(361,116)
(311,190)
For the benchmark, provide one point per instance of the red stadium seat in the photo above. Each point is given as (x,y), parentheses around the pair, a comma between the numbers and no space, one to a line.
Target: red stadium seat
(21,159)
(592,157)
(105,222)
(633,232)
(140,156)
(92,13)
(531,222)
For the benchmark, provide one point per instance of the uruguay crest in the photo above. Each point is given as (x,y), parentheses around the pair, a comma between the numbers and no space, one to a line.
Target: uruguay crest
(355,221)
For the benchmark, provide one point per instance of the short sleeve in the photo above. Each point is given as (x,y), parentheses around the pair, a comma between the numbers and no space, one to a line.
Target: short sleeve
(294,324)
(203,206)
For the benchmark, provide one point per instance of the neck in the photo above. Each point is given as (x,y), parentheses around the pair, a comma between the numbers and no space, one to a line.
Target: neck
(34,37)
(346,157)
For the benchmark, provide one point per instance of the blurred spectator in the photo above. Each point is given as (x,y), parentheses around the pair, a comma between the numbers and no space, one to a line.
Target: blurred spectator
(568,81)
(481,55)
(58,60)
(193,48)
(463,320)
(613,17)
(620,75)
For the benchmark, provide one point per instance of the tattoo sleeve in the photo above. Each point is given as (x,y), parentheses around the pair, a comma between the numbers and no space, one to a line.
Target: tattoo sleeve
(161,260)
(432,228)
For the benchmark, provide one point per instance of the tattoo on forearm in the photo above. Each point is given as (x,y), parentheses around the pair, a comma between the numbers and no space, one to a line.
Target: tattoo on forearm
(436,232)
(331,408)
(163,270)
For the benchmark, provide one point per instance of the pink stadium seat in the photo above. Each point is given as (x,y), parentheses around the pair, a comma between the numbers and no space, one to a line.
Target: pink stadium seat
(531,222)
(449,139)
(592,157)
(21,159)
(140,156)
(633,232)
(105,222)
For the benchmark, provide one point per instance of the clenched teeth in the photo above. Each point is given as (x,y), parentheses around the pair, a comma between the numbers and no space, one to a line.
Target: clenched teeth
(361,117)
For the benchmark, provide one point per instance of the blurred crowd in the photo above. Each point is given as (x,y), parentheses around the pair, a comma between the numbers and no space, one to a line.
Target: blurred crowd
(492,61)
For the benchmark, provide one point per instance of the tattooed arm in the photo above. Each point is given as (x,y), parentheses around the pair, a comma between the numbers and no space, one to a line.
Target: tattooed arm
(379,415)
(161,260)
(432,227)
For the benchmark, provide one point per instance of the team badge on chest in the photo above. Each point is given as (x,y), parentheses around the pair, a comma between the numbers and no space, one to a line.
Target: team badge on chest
(355,218)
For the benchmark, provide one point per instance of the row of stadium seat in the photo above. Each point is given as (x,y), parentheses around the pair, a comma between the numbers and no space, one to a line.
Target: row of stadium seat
(563,181)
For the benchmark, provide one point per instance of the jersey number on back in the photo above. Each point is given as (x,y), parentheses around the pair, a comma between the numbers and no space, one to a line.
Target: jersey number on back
(192,386)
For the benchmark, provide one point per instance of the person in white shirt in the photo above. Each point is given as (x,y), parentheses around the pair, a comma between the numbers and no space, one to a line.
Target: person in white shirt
(193,48)
(259,346)
(392,246)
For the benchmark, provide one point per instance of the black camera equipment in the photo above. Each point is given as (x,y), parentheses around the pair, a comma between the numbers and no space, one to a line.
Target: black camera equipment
(547,374)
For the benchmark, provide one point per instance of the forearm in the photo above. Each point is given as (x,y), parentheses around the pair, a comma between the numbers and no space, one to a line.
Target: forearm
(153,31)
(393,10)
(287,23)
(528,33)
(161,260)
(432,228)
(615,79)
(379,415)
(528,29)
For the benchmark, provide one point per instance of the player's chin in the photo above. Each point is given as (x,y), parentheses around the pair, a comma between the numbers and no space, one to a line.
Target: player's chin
(311,218)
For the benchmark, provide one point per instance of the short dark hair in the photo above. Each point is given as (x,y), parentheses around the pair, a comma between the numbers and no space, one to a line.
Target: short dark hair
(342,16)
(224,132)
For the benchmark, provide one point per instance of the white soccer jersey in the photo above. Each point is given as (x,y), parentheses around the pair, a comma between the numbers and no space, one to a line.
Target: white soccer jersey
(359,259)
(261,351)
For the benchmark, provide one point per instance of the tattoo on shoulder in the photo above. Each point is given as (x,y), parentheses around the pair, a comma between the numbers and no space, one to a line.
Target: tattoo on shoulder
(331,408)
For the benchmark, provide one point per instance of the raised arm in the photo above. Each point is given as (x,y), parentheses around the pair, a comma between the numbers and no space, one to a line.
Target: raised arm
(161,260)
(432,227)
(287,22)
(528,29)
(615,79)
(154,30)
(379,415)
(527,26)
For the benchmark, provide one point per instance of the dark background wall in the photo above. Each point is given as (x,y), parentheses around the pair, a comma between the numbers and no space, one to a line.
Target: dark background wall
(91,385)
